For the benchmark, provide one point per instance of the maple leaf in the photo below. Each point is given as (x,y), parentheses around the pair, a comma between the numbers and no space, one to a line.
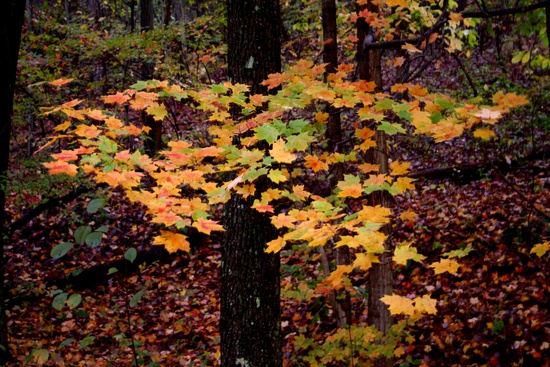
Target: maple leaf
(315,164)
(283,220)
(365,260)
(158,111)
(207,226)
(335,279)
(456,17)
(172,241)
(393,3)
(275,245)
(262,207)
(509,100)
(484,134)
(66,155)
(350,187)
(399,168)
(425,304)
(274,80)
(116,98)
(398,304)
(60,82)
(87,131)
(408,216)
(410,48)
(276,175)
(445,265)
(541,249)
(405,252)
(59,167)
(280,154)
(487,114)
(64,126)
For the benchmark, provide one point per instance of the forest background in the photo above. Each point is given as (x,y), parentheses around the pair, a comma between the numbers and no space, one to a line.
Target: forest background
(84,284)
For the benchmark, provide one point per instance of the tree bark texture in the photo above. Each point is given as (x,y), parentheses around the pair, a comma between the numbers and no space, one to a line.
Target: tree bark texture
(340,301)
(254,42)
(153,139)
(250,290)
(11,21)
(250,294)
(380,275)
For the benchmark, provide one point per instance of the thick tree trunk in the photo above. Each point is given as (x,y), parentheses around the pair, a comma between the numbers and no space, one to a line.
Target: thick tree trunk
(341,302)
(167,14)
(11,21)
(380,275)
(250,296)
(250,291)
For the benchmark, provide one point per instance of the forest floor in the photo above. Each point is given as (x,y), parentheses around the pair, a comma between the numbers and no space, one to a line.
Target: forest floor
(494,312)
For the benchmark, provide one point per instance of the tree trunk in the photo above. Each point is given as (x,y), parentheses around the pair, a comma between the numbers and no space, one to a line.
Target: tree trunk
(153,139)
(250,290)
(341,303)
(167,15)
(11,22)
(380,275)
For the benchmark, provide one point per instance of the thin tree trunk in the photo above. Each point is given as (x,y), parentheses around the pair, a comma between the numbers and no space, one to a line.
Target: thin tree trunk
(167,12)
(153,139)
(341,303)
(380,275)
(250,290)
(11,22)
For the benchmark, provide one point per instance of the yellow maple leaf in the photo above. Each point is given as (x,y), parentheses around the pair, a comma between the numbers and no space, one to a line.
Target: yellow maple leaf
(410,48)
(484,134)
(425,304)
(408,216)
(336,278)
(393,3)
(283,220)
(207,225)
(398,304)
(399,168)
(172,241)
(420,120)
(280,154)
(456,17)
(509,100)
(64,126)
(321,117)
(405,252)
(365,260)
(404,184)
(541,248)
(349,189)
(445,265)
(275,245)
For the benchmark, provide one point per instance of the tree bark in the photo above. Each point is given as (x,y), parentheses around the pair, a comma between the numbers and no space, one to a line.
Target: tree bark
(153,139)
(250,290)
(380,275)
(340,301)
(11,22)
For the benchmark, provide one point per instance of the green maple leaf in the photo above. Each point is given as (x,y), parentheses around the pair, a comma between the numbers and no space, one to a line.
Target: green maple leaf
(299,142)
(267,132)
(158,111)
(391,129)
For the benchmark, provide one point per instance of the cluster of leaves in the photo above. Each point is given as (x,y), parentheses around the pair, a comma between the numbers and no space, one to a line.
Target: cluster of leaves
(296,154)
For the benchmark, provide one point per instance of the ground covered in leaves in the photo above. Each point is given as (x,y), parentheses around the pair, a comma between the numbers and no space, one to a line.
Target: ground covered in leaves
(491,197)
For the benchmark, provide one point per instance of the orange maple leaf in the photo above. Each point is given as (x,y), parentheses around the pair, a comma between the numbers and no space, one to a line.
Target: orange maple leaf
(60,82)
(262,207)
(172,241)
(87,131)
(115,98)
(66,155)
(59,167)
(207,225)
(315,164)
(275,245)
(410,48)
